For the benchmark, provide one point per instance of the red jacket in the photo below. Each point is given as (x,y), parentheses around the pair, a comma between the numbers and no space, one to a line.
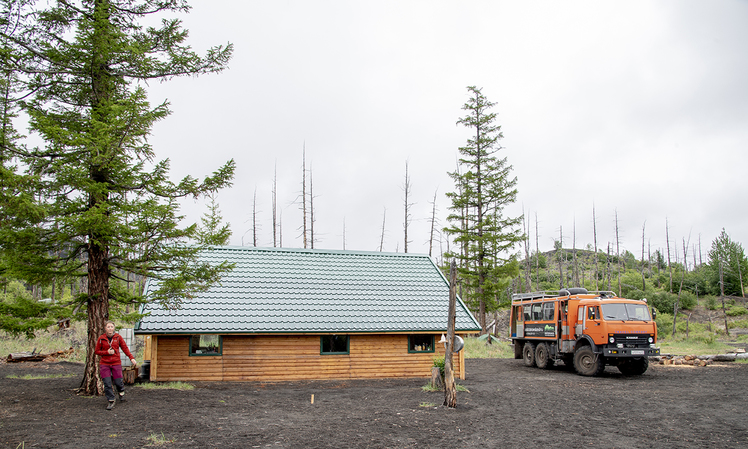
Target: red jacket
(102,349)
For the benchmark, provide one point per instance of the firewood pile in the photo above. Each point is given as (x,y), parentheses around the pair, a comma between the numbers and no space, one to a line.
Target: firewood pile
(34,356)
(691,360)
(702,360)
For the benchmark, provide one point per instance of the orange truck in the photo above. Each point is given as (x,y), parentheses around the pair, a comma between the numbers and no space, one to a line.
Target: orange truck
(585,329)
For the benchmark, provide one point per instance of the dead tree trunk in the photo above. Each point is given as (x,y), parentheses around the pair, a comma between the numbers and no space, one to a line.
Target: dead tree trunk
(303,193)
(618,256)
(433,223)
(560,255)
(722,295)
(381,239)
(450,389)
(644,283)
(311,208)
(528,267)
(594,239)
(406,222)
(669,265)
(275,206)
(537,255)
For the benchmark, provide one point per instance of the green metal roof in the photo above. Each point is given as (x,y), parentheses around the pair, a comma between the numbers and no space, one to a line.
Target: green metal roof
(296,290)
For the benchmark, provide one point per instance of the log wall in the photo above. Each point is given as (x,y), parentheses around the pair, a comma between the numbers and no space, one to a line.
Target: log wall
(293,357)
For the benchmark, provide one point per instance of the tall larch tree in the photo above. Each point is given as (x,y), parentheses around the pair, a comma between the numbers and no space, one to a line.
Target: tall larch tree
(107,206)
(483,188)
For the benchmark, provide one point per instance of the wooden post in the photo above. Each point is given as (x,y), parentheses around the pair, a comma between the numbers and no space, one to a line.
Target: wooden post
(450,389)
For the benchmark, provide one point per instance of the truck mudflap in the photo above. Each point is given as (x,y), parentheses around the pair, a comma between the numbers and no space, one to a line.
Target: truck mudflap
(630,352)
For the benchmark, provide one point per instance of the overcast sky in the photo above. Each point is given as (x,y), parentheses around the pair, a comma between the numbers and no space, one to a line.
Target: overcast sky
(639,108)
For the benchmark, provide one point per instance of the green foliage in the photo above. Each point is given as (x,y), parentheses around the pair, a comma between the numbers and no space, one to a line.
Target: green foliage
(212,232)
(728,257)
(439,363)
(663,301)
(24,316)
(735,310)
(687,300)
(483,188)
(711,302)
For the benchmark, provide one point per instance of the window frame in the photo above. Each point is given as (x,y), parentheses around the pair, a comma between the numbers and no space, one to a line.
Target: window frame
(322,345)
(209,354)
(411,346)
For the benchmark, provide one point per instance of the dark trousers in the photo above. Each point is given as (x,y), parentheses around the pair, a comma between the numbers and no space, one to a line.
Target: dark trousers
(109,391)
(107,374)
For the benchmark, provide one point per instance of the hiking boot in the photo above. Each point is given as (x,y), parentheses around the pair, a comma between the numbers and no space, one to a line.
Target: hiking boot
(122,397)
(110,406)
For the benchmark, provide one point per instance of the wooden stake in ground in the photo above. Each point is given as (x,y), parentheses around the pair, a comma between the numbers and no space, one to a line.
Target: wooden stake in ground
(450,389)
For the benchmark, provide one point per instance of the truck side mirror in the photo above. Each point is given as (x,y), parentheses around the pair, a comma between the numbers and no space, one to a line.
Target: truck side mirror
(654,314)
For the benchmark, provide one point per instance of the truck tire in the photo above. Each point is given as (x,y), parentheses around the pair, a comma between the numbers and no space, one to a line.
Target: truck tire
(634,367)
(587,363)
(528,354)
(543,356)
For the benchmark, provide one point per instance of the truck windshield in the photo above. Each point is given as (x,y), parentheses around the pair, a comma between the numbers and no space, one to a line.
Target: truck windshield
(625,312)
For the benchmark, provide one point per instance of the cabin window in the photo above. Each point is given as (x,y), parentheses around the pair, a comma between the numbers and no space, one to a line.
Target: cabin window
(334,344)
(548,311)
(420,343)
(206,344)
(593,313)
(527,313)
(537,312)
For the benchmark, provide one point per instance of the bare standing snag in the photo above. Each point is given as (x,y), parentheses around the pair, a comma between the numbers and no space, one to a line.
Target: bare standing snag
(586,329)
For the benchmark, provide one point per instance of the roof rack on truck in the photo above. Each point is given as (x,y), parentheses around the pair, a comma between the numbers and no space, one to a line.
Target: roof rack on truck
(602,294)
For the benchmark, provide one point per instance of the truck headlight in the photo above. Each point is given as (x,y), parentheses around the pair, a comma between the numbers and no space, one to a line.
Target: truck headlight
(612,340)
(651,340)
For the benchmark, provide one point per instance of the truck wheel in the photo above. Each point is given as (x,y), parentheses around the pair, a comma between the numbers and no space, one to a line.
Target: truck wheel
(587,363)
(634,367)
(543,357)
(528,354)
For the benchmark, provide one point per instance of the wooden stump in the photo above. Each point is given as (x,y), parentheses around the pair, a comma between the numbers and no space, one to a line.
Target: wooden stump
(129,374)
(436,378)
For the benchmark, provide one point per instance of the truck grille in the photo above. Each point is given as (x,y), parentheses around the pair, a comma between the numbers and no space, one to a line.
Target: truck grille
(632,340)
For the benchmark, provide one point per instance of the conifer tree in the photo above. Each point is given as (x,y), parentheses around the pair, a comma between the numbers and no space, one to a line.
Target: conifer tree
(483,188)
(105,206)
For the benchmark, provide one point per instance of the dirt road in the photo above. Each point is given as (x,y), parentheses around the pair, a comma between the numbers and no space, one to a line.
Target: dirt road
(508,405)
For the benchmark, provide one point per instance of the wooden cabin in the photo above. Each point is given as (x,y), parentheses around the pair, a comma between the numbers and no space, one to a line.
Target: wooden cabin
(294,314)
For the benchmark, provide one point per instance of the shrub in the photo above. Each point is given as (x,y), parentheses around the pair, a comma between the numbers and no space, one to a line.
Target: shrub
(736,311)
(687,300)
(663,301)
(439,362)
(711,302)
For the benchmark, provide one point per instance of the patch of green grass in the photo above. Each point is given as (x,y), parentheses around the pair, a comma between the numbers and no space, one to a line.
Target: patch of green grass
(431,389)
(427,404)
(694,345)
(166,386)
(158,440)
(745,361)
(39,376)
(477,349)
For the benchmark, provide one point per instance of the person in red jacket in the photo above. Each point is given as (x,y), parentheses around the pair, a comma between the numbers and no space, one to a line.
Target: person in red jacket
(110,366)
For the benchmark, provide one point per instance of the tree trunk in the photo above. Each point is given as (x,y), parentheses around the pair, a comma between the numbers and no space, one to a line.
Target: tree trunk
(644,283)
(722,295)
(450,389)
(98,314)
(594,238)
